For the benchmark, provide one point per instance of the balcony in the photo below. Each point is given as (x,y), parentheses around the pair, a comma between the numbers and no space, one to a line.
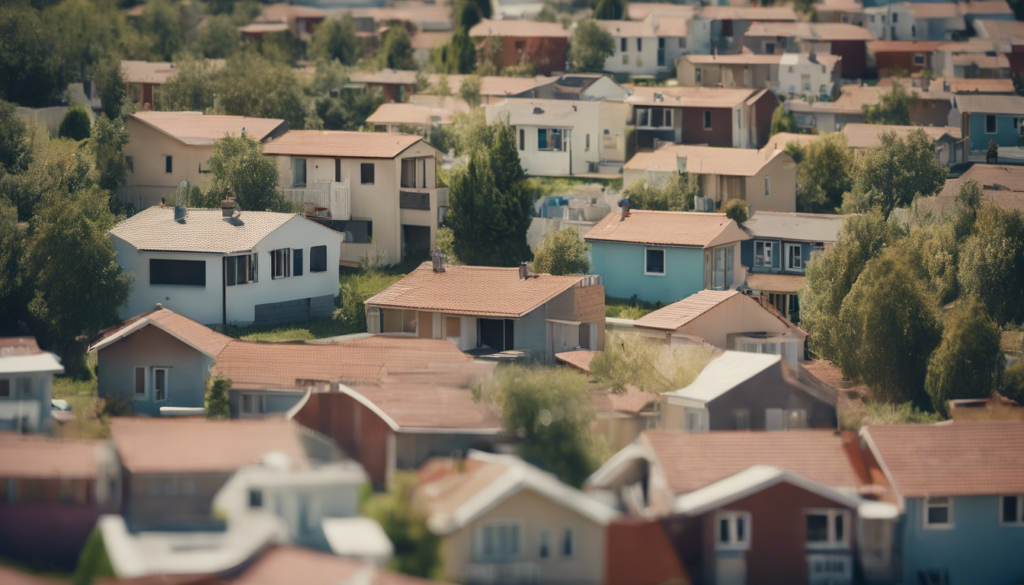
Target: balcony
(323,199)
(515,573)
(423,207)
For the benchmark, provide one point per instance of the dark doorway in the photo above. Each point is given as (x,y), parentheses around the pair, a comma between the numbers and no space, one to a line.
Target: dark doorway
(497,334)
(416,239)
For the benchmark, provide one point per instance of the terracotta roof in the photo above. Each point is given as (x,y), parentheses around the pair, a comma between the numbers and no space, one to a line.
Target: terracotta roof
(384,76)
(435,13)
(1000,29)
(473,290)
(259,28)
(737,59)
(679,313)
(990,104)
(279,565)
(12,346)
(339,143)
(146,72)
(932,9)
(10,576)
(517,28)
(854,6)
(868,135)
(748,13)
(959,85)
(411,406)
(416,114)
(495,85)
(204,230)
(703,160)
(253,365)
(632,401)
(426,39)
(982,61)
(158,445)
(787,283)
(691,461)
(839,31)
(191,332)
(904,46)
(34,457)
(627,28)
(667,228)
(964,459)
(855,97)
(196,128)
(778,29)
(804,227)
(639,551)
(990,177)
(986,7)
(579,359)
(689,97)
(641,10)
(780,140)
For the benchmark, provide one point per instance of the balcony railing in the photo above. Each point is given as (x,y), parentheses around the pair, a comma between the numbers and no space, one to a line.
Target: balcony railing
(514,573)
(414,200)
(324,198)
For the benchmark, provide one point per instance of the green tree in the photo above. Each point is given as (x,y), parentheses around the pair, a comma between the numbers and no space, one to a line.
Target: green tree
(109,137)
(465,15)
(218,37)
(32,72)
(15,154)
(93,562)
(1013,382)
(991,263)
(60,166)
(460,54)
(252,86)
(485,8)
(783,121)
(12,294)
(335,38)
(82,32)
(163,21)
(76,124)
(469,90)
(349,110)
(562,252)
(191,89)
(281,47)
(108,78)
(968,361)
(643,195)
(417,549)
(680,190)
(589,47)
(934,250)
(893,107)
(217,405)
(550,411)
(888,328)
(396,53)
(241,171)
(824,174)
(896,171)
(610,10)
(736,210)
(647,364)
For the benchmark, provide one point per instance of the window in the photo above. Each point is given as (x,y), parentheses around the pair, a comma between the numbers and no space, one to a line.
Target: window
(693,420)
(668,117)
(767,186)
(520,46)
(661,43)
(23,387)
(732,530)
(625,58)
(240,269)
(366,173)
(938,513)
(830,568)
(587,146)
(568,543)
(707,119)
(643,116)
(622,45)
(177,272)
(990,124)
(280,263)
(550,139)
(779,419)
(255,499)
(337,170)
(871,18)
(895,17)
(639,45)
(498,542)
(545,544)
(769,48)
(542,138)
(297,262)
(739,118)
(919,59)
(794,257)
(913,30)
(253,404)
(131,164)
(409,173)
(654,261)
(160,384)
(522,139)
(299,172)
(1011,510)
(140,381)
(697,71)
(168,164)
(719,270)
(828,528)
(741,418)
(763,254)
(556,139)
(318,259)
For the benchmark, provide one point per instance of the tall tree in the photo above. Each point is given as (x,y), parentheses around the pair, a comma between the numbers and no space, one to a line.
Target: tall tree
(460,54)
(783,121)
(110,85)
(241,171)
(397,50)
(192,89)
(218,37)
(991,264)
(465,15)
(589,47)
(968,361)
(824,174)
(217,390)
(335,38)
(896,171)
(250,85)
(163,20)
(610,10)
(893,107)
(109,137)
(469,90)
(15,154)
(12,293)
(32,72)
(562,252)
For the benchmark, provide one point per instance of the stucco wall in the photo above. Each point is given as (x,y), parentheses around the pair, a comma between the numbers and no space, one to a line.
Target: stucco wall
(177,508)
(621,267)
(768,390)
(781,171)
(149,179)
(737,315)
(1005,135)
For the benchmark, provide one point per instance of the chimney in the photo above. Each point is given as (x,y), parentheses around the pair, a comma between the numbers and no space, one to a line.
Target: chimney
(180,211)
(437,261)
(524,271)
(624,205)
(227,208)
(243,130)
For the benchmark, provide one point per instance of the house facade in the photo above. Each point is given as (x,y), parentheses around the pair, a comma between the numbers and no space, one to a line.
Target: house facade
(947,138)
(541,44)
(380,189)
(26,382)
(224,266)
(984,118)
(846,43)
(810,74)
(646,47)
(743,70)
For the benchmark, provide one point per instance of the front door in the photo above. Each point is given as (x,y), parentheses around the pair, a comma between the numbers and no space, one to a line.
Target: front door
(731,571)
(497,334)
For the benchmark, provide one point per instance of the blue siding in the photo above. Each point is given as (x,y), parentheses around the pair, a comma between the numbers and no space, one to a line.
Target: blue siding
(976,550)
(1006,134)
(621,267)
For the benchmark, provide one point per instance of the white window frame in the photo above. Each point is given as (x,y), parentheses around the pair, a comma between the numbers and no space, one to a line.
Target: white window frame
(287,272)
(1019,523)
(731,517)
(145,383)
(766,261)
(664,262)
(926,504)
(478,546)
(830,542)
(785,256)
(167,389)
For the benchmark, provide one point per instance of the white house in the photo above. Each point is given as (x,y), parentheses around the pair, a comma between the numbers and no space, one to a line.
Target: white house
(26,379)
(219,266)
(646,47)
(808,74)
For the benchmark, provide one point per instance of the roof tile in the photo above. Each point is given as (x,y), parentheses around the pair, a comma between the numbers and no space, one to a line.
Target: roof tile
(45,458)
(196,128)
(666,228)
(204,230)
(679,313)
(338,143)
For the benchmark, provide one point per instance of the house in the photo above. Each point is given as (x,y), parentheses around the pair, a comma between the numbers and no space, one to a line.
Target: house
(497,514)
(664,256)
(171,251)
(501,309)
(840,11)
(931,107)
(809,74)
(1001,185)
(934,21)
(765,179)
(425,42)
(742,70)
(712,116)
(493,88)
(51,493)
(778,252)
(986,118)
(171,148)
(946,138)
(727,319)
(26,379)
(417,118)
(742,391)
(558,137)
(279,565)
(298,20)
(909,56)
(379,188)
(728,23)
(576,87)
(161,360)
(413,14)
(396,85)
(648,46)
(847,42)
(961,515)
(541,44)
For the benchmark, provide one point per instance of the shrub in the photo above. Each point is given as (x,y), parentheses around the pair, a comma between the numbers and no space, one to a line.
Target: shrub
(217,405)
(562,252)
(736,210)
(967,362)
(1013,382)
(76,124)
(354,292)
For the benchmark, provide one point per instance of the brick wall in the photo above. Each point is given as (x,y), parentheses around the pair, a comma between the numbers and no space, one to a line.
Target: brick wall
(590,309)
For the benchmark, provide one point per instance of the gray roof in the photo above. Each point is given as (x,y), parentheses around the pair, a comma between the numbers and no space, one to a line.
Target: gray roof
(990,104)
(801,227)
(725,372)
(203,230)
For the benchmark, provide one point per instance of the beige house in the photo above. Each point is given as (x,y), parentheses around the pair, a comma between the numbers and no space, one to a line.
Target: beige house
(502,520)
(745,70)
(419,117)
(765,179)
(171,148)
(379,188)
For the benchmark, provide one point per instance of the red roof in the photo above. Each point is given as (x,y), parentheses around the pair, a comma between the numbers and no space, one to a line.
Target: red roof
(35,457)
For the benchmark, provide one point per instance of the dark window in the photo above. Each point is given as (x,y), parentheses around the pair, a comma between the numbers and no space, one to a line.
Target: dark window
(1010,514)
(131,164)
(280,263)
(707,119)
(522,139)
(255,499)
(657,117)
(240,269)
(140,381)
(318,259)
(938,515)
(661,43)
(5,388)
(297,262)
(299,168)
(409,173)
(817,528)
(366,173)
(622,45)
(990,124)
(655,262)
(567,544)
(169,164)
(183,272)
(337,170)
(639,45)
(723,530)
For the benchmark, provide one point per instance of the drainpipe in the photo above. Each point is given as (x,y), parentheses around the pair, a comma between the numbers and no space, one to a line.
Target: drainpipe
(224,293)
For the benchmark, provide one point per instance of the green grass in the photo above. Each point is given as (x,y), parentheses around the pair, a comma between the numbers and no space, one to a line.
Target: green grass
(632,308)
(877,413)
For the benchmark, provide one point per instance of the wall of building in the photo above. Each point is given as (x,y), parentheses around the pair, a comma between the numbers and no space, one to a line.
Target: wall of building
(31,412)
(854,57)
(547,54)
(901,60)
(49,534)
(764,391)
(720,133)
(148,179)
(621,267)
(781,173)
(589,308)
(747,254)
(740,314)
(1005,135)
(150,502)
(642,61)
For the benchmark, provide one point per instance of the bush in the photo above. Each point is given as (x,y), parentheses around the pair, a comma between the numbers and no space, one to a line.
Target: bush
(967,362)
(354,292)
(878,413)
(736,210)
(93,562)
(562,252)
(648,364)
(217,405)
(1013,382)
(417,549)
(76,124)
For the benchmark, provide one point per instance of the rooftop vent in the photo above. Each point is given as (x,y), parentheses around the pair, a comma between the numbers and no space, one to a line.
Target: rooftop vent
(624,204)
(180,212)
(524,271)
(437,261)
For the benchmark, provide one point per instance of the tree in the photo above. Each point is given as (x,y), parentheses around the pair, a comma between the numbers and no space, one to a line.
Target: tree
(76,124)
(550,411)
(219,37)
(250,85)
(896,171)
(991,264)
(465,15)
(417,549)
(893,107)
(736,210)
(82,32)
(241,171)
(460,56)
(32,72)
(783,121)
(832,273)
(93,562)
(469,90)
(562,252)
(163,20)
(610,10)
(335,38)
(108,77)
(109,137)
(397,50)
(485,8)
(676,194)
(12,297)
(824,174)
(968,361)
(349,110)
(589,47)
(281,47)
(888,328)
(217,405)
(15,154)
(190,90)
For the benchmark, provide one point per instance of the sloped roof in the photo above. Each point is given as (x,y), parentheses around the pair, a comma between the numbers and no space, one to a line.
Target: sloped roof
(868,135)
(384,76)
(22,354)
(840,31)
(984,7)
(680,313)
(541,112)
(932,9)
(406,406)
(725,372)
(641,10)
(632,401)
(748,13)
(905,46)
(689,97)
(517,28)
(340,143)
(579,359)
(279,565)
(156,73)
(961,459)
(780,140)
(428,39)
(999,29)
(802,227)
(36,457)
(263,28)
(415,114)
(667,228)
(989,104)
(198,129)
(284,10)
(495,85)
(473,290)
(736,59)
(704,160)
(204,230)
(982,61)
(181,327)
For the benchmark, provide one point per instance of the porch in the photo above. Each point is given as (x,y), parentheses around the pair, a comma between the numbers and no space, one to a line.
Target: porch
(327,199)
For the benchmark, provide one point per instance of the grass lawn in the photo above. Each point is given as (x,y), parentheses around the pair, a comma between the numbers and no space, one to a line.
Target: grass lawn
(632,308)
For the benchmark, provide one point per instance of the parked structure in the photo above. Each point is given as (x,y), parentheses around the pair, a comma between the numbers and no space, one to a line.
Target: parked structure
(985,118)
(143,79)
(541,44)
(909,56)
(932,21)
(809,75)
(285,17)
(26,380)
(929,107)
(728,23)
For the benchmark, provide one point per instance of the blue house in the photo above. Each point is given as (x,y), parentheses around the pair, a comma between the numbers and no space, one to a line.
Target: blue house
(777,253)
(959,489)
(665,256)
(988,117)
